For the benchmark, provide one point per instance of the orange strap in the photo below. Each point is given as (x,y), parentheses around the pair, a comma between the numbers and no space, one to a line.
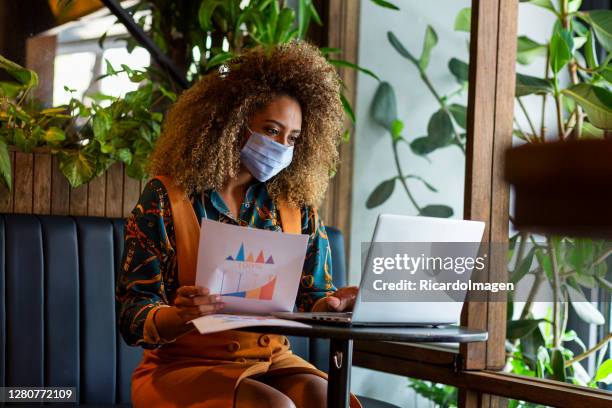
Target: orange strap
(187,228)
(186,231)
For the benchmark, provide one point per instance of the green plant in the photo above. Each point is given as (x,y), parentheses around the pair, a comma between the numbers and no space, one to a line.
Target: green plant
(537,347)
(444,396)
(445,128)
(86,139)
(583,109)
(198,36)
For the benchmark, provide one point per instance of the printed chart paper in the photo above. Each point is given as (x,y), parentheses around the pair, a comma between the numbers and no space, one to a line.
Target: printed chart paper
(256,271)
(220,322)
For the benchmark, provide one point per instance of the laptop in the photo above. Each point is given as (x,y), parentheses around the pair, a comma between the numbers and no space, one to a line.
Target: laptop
(406,229)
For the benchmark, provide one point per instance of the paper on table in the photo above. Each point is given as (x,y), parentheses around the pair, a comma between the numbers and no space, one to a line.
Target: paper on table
(256,271)
(220,322)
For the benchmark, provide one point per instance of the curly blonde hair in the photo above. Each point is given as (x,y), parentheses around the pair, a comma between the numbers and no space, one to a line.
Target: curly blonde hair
(201,136)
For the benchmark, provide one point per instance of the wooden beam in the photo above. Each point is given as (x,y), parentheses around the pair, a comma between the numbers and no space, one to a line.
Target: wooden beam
(40,57)
(500,189)
(490,113)
(341,23)
(488,386)
(23,179)
(424,353)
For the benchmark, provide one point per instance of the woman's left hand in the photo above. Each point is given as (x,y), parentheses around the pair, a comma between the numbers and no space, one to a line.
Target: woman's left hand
(342,300)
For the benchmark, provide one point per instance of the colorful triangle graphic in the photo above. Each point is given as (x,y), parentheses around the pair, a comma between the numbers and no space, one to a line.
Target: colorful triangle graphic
(260,257)
(240,256)
(270,260)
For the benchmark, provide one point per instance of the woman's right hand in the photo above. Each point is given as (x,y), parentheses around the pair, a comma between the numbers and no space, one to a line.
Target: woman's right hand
(192,302)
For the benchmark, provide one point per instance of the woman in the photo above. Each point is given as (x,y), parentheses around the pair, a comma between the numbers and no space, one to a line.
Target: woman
(253,147)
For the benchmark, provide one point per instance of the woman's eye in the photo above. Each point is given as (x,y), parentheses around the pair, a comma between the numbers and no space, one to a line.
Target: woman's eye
(272,131)
(292,139)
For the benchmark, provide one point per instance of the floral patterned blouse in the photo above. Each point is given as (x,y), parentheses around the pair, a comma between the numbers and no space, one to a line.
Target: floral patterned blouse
(149,273)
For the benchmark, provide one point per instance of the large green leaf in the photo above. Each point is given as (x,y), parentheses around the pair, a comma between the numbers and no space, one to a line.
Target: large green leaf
(516,329)
(5,165)
(384,106)
(423,145)
(125,155)
(561,48)
(463,21)
(459,69)
(590,53)
(557,363)
(10,89)
(25,76)
(596,102)
(523,267)
(381,193)
(54,134)
(459,113)
(530,344)
(399,47)
(583,308)
(440,128)
(547,4)
(436,210)
(601,21)
(528,50)
(604,373)
(77,166)
(527,85)
(591,132)
(430,41)
(101,124)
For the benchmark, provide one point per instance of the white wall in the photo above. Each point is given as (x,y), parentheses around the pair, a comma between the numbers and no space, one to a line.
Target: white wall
(373,152)
(373,161)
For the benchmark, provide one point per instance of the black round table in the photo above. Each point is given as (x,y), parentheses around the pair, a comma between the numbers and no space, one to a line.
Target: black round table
(341,346)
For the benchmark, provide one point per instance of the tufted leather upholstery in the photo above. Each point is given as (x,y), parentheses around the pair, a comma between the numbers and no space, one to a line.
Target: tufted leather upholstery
(58,315)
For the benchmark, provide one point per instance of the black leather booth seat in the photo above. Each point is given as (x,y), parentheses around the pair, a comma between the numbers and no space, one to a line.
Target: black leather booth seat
(58,315)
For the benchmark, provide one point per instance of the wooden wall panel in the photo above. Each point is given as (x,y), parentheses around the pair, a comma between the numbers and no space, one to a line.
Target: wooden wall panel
(78,200)
(114,191)
(96,198)
(60,191)
(23,178)
(39,187)
(43,165)
(131,193)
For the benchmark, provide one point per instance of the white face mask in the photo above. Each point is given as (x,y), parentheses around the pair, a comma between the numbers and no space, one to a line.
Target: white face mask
(264,157)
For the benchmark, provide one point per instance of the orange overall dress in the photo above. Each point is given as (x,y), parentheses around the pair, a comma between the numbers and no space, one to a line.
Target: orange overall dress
(203,371)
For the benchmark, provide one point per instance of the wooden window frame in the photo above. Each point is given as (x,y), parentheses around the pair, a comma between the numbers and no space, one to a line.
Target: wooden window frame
(474,368)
